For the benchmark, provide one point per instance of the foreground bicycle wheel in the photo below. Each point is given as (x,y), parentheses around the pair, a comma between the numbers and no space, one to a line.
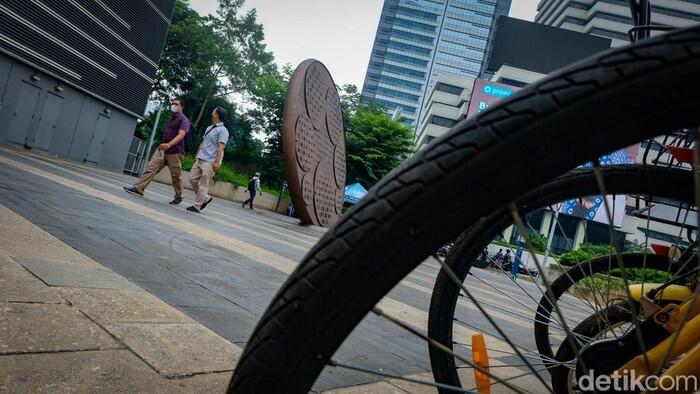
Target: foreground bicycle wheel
(613,100)
(583,292)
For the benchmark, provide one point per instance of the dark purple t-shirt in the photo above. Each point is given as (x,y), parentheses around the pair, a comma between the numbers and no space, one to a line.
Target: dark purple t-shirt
(176,123)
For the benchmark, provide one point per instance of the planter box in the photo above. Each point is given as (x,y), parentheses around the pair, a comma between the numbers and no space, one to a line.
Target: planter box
(227,191)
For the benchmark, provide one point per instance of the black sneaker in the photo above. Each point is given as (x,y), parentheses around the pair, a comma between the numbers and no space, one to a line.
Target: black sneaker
(176,201)
(132,190)
(193,209)
(206,203)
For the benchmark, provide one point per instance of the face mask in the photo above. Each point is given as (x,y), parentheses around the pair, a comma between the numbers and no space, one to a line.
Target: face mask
(173,108)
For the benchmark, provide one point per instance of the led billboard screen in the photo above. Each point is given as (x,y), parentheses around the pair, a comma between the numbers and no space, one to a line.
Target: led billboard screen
(487,93)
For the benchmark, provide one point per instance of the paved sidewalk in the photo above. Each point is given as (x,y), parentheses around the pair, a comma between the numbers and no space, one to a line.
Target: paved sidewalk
(84,267)
(69,324)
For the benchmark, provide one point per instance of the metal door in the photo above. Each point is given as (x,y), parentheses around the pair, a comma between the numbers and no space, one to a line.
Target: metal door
(5,67)
(24,113)
(47,122)
(98,139)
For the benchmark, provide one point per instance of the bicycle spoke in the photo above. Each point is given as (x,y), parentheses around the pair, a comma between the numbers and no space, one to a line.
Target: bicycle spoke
(334,363)
(569,337)
(437,345)
(536,355)
(696,291)
(517,377)
(459,283)
(620,262)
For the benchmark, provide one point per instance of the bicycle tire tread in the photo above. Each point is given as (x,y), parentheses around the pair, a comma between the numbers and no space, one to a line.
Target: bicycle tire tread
(467,141)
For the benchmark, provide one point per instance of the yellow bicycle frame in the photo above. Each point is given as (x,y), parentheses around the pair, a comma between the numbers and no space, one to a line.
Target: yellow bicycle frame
(687,340)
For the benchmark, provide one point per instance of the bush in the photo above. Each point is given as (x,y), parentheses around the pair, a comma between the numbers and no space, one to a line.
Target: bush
(539,241)
(634,275)
(643,275)
(584,253)
(228,173)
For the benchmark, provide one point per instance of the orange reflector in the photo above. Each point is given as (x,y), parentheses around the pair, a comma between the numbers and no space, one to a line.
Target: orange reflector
(481,358)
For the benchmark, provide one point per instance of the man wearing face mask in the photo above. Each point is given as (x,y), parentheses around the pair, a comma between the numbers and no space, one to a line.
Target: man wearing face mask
(169,153)
(208,159)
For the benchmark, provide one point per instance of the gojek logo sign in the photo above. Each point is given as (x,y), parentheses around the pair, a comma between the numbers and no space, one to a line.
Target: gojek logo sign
(487,93)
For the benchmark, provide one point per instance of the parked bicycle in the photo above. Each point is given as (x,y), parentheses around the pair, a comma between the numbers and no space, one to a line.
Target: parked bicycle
(620,313)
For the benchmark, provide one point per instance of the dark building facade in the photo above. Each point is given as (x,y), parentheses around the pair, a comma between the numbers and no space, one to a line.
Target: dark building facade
(75,75)
(538,48)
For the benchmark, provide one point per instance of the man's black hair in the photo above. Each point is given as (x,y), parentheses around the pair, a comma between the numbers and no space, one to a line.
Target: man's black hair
(222,113)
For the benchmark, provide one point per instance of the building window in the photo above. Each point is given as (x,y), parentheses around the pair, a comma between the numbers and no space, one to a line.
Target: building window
(392,106)
(395,81)
(405,59)
(409,48)
(564,233)
(533,222)
(447,88)
(599,234)
(512,82)
(398,70)
(442,121)
(396,94)
(416,13)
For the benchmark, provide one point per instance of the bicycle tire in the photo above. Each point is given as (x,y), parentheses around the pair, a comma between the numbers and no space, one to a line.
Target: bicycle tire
(347,272)
(623,179)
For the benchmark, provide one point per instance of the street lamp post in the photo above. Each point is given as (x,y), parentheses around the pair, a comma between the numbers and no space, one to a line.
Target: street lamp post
(153,134)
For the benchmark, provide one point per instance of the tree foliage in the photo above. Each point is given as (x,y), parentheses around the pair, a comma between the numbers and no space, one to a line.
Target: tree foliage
(208,60)
(213,56)
(268,93)
(376,144)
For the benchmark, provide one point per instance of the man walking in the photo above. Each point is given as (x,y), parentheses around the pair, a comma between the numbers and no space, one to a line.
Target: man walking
(208,159)
(253,189)
(169,153)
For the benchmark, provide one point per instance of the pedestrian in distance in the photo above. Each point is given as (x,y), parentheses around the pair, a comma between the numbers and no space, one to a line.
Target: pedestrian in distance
(507,260)
(208,159)
(253,189)
(498,258)
(169,153)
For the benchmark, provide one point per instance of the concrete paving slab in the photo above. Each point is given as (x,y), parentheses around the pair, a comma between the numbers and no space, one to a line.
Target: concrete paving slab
(415,388)
(374,388)
(66,274)
(31,328)
(25,236)
(18,285)
(106,371)
(107,306)
(185,293)
(233,323)
(178,349)
(206,383)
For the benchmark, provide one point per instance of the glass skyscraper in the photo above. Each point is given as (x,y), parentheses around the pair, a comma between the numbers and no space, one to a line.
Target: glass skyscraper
(418,39)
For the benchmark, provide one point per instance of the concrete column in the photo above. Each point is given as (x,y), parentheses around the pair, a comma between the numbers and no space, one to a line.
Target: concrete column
(580,233)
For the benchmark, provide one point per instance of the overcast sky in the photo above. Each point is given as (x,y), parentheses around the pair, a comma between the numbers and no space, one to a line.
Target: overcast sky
(340,33)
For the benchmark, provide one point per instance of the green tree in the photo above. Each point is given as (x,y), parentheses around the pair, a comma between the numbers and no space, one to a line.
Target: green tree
(187,53)
(376,144)
(268,93)
(214,56)
(239,54)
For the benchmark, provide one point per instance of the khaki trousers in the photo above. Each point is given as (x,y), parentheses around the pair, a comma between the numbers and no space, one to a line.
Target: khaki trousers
(157,163)
(201,174)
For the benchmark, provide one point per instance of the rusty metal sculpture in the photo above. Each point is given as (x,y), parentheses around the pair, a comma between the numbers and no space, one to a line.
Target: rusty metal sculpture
(314,144)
